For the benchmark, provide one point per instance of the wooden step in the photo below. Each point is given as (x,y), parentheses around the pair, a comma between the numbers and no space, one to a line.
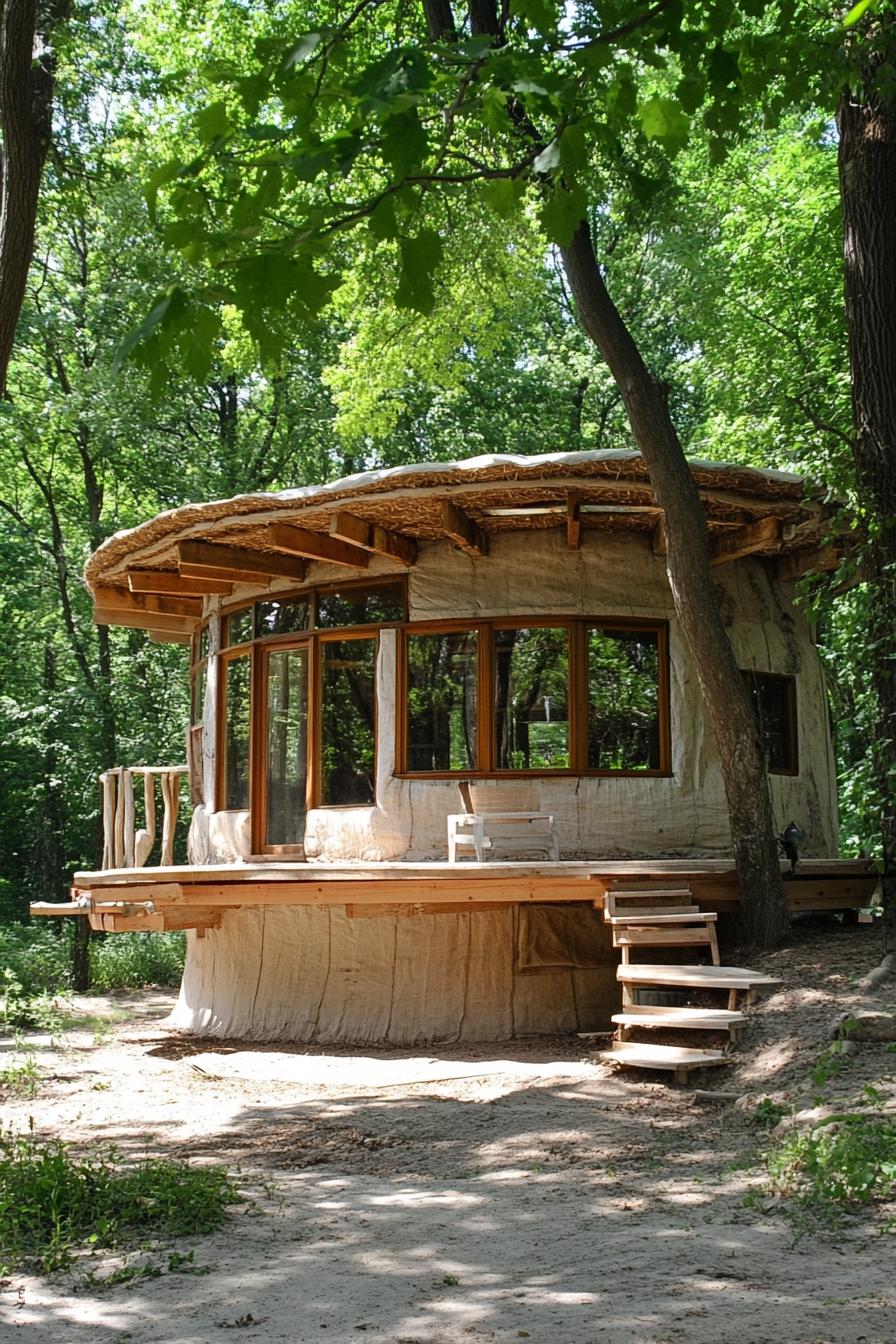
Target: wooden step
(695,977)
(680,1060)
(679,1019)
(644,935)
(645,893)
(690,914)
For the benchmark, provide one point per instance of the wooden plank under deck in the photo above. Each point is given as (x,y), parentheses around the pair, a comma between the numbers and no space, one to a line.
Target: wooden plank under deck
(176,892)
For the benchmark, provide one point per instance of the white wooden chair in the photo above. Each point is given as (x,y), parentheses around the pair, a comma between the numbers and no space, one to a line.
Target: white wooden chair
(502,816)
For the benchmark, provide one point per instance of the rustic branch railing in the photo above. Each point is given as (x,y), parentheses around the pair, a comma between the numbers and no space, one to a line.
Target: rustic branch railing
(124,846)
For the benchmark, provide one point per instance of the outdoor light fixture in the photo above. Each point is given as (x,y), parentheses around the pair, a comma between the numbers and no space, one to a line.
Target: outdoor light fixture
(790,842)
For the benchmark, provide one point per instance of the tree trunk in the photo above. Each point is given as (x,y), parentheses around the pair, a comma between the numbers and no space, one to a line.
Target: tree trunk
(26,96)
(868,197)
(763,909)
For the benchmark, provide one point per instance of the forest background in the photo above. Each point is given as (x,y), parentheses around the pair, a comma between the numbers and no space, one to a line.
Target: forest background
(727,267)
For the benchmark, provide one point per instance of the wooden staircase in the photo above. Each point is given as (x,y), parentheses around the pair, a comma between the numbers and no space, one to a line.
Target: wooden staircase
(670,918)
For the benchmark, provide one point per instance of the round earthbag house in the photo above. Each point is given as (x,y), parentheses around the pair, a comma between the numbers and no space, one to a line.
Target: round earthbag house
(380,661)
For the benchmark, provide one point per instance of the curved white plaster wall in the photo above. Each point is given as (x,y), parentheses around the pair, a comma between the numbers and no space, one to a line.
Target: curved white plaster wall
(305,973)
(613,574)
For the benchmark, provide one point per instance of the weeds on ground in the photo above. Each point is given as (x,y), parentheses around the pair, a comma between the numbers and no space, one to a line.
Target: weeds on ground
(19,1078)
(842,1165)
(54,1204)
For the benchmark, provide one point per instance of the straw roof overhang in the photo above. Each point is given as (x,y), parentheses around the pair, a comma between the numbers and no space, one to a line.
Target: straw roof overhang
(493,495)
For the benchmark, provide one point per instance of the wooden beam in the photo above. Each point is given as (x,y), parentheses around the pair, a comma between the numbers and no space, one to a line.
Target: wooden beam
(169,581)
(371,537)
(462,531)
(573,521)
(763,535)
(313,545)
(205,559)
(169,637)
(120,599)
(658,538)
(149,621)
(799,563)
(406,910)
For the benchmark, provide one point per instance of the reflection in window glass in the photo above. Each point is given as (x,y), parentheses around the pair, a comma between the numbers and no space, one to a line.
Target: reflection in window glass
(531,696)
(361,606)
(236,743)
(623,700)
(441,685)
(200,681)
(239,627)
(287,744)
(775,701)
(348,702)
(280,618)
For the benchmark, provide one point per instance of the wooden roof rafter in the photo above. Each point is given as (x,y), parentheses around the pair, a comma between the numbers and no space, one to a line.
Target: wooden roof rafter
(210,559)
(462,531)
(371,537)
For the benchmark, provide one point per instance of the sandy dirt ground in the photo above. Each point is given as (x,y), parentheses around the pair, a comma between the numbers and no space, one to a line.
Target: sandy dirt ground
(458,1195)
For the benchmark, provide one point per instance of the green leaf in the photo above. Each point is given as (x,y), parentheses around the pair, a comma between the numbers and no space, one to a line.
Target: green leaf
(419,258)
(212,122)
(205,327)
(574,149)
(663,119)
(382,222)
(166,173)
(404,143)
(857,12)
(562,213)
(169,307)
(538,14)
(503,195)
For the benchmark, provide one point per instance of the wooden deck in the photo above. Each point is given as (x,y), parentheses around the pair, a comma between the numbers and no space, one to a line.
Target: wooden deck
(180,896)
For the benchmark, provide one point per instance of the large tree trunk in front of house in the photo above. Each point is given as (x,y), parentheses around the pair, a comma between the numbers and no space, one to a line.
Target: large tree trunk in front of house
(868,196)
(26,97)
(763,908)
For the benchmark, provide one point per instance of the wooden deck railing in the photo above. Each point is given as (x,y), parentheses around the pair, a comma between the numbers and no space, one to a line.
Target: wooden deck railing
(124,845)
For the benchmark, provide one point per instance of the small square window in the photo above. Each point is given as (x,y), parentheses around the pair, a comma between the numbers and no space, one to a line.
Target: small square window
(774,698)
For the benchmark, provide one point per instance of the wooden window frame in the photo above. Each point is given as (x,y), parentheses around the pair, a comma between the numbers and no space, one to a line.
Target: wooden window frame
(310,594)
(577,695)
(753,677)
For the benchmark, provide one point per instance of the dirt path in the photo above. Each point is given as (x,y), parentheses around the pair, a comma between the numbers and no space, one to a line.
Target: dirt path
(454,1196)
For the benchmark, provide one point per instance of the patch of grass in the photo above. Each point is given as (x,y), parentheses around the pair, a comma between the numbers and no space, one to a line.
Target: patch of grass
(843,1165)
(19,1078)
(54,1204)
(132,960)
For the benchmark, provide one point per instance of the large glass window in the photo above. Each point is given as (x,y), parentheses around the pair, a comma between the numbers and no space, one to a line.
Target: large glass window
(442,677)
(281,618)
(237,682)
(382,604)
(774,698)
(287,746)
(623,699)
(531,698)
(348,720)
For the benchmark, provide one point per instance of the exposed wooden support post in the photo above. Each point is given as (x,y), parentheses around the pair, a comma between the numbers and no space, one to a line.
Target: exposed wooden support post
(313,545)
(573,521)
(800,563)
(209,559)
(169,581)
(462,531)
(371,537)
(763,535)
(658,538)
